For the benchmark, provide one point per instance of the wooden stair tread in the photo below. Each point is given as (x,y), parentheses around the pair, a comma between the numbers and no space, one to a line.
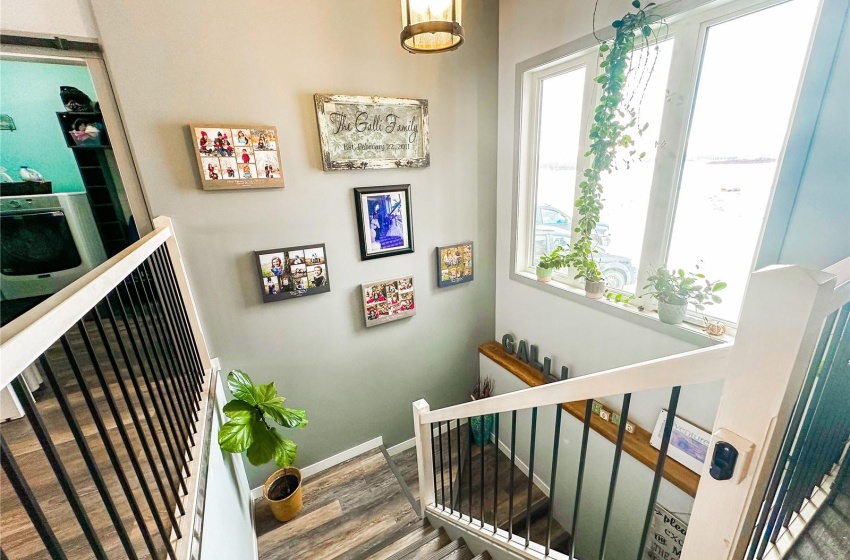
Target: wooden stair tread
(423,550)
(446,551)
(403,543)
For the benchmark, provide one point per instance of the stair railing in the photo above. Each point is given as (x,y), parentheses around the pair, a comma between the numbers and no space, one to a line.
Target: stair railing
(121,350)
(814,295)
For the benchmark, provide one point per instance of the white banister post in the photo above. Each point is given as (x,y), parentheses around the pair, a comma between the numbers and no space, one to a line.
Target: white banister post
(424,461)
(781,321)
(185,290)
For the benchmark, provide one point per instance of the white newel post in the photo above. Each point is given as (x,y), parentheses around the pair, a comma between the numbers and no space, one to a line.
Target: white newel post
(424,461)
(780,324)
(185,290)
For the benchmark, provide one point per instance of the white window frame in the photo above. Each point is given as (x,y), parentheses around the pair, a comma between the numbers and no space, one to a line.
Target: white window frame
(689,28)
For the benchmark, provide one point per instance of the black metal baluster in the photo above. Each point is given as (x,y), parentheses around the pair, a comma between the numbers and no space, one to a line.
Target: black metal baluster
(615,471)
(137,424)
(496,477)
(162,315)
(513,467)
(790,436)
(459,473)
(659,467)
(3,555)
(174,367)
(186,425)
(125,440)
(119,421)
(451,481)
(555,445)
(588,412)
(481,451)
(190,334)
(30,502)
(469,460)
(433,460)
(168,320)
(177,463)
(52,454)
(442,466)
(181,438)
(88,456)
(530,476)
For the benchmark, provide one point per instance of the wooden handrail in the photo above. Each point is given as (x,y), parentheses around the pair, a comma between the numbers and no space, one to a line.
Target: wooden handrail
(31,334)
(698,366)
(637,444)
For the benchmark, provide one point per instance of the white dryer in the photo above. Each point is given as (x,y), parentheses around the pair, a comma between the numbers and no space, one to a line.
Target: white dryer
(46,242)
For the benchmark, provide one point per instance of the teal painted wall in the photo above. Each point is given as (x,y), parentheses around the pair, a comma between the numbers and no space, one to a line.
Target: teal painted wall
(29,92)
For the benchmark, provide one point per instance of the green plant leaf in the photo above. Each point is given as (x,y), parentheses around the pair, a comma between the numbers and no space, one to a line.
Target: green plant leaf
(239,409)
(719,286)
(266,393)
(285,453)
(636,4)
(286,417)
(262,449)
(236,435)
(241,386)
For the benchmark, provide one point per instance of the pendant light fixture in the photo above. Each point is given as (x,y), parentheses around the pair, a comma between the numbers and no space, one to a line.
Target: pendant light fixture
(431,26)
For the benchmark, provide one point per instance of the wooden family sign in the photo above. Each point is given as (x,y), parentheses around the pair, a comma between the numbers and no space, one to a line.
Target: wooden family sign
(371,132)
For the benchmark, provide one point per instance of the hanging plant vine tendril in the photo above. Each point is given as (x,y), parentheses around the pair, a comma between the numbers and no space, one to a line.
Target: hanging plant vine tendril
(612,118)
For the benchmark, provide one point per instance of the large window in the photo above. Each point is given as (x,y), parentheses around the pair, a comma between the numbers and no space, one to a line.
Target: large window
(718,105)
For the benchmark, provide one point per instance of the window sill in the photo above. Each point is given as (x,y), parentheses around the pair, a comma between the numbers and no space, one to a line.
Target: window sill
(648,319)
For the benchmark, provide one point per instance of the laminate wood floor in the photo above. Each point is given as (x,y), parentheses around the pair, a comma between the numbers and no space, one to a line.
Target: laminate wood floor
(347,510)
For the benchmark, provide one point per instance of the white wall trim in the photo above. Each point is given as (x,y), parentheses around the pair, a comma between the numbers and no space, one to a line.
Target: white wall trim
(543,486)
(401,447)
(332,461)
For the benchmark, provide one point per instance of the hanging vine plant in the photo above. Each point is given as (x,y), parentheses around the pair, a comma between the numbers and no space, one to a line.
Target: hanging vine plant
(613,117)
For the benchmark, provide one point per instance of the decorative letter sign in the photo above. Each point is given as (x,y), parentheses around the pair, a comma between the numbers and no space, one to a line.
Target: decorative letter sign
(372,132)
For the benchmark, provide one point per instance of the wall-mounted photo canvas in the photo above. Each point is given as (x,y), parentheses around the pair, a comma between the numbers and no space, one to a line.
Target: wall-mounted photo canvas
(384,221)
(454,264)
(237,157)
(293,272)
(388,300)
(688,443)
(372,132)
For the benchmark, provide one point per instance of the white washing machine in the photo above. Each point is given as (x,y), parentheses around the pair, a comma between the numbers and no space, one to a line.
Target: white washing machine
(46,242)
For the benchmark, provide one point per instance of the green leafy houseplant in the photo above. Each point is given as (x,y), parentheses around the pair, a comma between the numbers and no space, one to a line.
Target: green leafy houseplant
(675,290)
(612,118)
(247,428)
(551,262)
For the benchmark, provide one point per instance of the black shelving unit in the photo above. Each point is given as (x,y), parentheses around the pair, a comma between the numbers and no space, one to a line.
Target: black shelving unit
(97,177)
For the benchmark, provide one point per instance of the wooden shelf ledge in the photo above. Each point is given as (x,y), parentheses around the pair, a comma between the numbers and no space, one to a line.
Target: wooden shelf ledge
(637,445)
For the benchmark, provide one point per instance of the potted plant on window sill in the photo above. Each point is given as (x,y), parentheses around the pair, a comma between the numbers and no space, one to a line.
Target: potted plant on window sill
(548,264)
(247,430)
(674,290)
(482,426)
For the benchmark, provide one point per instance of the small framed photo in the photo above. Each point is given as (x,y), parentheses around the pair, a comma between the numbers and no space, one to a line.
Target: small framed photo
(237,157)
(384,221)
(454,264)
(688,443)
(388,300)
(293,272)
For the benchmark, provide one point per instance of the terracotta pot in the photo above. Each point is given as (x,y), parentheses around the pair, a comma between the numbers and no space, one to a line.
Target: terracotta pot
(544,274)
(594,290)
(289,507)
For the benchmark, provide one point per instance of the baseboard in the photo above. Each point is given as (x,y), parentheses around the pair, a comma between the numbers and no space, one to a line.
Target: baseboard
(544,487)
(411,443)
(333,461)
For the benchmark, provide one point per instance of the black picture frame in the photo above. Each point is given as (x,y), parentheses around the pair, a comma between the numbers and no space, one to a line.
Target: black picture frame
(387,212)
(460,269)
(290,283)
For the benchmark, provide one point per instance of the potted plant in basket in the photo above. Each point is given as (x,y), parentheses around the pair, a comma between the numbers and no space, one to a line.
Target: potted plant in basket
(674,290)
(550,263)
(482,426)
(247,430)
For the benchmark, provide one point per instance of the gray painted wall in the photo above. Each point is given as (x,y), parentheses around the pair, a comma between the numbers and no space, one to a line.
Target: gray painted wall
(172,63)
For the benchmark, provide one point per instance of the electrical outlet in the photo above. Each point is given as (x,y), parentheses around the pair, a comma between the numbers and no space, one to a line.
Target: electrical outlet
(630,427)
(605,414)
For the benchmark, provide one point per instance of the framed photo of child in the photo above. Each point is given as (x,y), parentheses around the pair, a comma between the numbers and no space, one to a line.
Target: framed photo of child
(388,300)
(293,272)
(384,221)
(237,157)
(454,264)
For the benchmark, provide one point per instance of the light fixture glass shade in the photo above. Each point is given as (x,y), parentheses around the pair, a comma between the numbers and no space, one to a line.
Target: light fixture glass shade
(431,26)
